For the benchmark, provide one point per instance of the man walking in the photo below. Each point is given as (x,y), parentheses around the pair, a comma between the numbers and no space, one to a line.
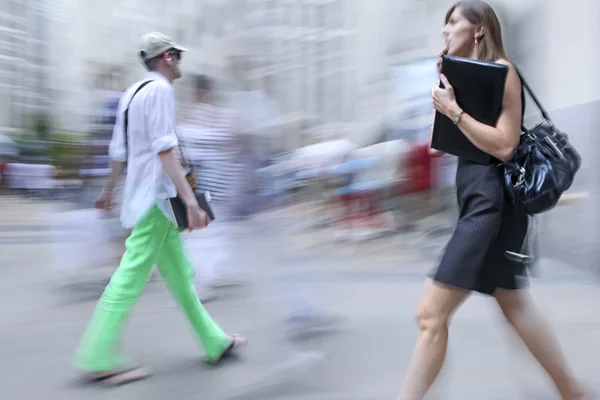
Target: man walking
(145,139)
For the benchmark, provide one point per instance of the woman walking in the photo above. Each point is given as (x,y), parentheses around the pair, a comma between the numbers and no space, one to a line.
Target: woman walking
(488,225)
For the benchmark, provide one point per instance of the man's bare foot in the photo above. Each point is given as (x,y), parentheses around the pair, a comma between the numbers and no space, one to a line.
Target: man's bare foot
(236,343)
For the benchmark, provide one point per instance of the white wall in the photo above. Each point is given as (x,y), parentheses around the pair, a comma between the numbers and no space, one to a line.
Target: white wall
(573,52)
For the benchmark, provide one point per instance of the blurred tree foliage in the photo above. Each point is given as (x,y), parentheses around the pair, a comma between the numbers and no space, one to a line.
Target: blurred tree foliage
(67,151)
(41,143)
(33,142)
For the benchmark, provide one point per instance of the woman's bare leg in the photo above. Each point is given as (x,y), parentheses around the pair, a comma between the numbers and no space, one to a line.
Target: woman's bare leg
(536,334)
(433,316)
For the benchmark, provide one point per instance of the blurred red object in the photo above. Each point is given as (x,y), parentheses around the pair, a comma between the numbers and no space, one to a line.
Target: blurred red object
(418,170)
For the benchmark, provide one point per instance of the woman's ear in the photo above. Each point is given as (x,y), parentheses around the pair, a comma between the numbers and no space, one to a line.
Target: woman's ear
(479,32)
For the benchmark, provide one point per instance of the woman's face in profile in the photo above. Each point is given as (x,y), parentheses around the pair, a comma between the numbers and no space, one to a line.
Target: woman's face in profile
(459,34)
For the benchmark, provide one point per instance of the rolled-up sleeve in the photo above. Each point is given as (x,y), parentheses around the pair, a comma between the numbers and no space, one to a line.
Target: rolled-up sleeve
(116,149)
(160,114)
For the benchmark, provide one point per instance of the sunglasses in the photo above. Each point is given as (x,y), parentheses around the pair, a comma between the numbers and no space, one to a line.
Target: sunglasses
(175,53)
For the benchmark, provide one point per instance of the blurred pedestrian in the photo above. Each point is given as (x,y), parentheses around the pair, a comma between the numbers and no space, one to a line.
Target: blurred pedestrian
(213,145)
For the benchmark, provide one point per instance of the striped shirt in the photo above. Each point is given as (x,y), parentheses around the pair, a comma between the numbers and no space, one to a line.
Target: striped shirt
(211,143)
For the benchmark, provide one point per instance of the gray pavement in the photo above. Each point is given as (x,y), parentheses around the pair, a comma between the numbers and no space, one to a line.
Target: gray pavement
(375,285)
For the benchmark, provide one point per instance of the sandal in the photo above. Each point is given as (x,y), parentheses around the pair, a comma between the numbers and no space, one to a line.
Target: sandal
(118,377)
(236,343)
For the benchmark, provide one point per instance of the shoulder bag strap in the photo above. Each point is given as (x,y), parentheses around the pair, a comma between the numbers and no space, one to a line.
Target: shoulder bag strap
(126,124)
(534,98)
(126,116)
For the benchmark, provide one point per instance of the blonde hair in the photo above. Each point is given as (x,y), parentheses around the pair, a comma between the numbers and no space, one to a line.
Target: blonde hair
(490,46)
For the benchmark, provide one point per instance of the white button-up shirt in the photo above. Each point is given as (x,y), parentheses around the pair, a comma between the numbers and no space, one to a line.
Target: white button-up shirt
(151,130)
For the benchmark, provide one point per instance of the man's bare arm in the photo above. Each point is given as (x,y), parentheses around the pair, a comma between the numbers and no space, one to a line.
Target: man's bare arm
(104,200)
(174,170)
(116,169)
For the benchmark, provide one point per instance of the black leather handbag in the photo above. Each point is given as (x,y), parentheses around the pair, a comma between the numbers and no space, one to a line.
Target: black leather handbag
(543,167)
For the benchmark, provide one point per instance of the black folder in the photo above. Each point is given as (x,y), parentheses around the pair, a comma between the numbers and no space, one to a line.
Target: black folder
(479,90)
(179,210)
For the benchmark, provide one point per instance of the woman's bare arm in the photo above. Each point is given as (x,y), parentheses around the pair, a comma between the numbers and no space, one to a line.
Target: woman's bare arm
(501,140)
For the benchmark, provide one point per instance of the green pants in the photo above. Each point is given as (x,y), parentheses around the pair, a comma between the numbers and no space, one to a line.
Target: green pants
(153,241)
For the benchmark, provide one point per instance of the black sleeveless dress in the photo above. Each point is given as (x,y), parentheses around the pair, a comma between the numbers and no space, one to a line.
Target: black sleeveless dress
(488,225)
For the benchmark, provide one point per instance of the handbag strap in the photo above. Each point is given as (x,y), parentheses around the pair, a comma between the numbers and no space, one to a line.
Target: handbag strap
(533,97)
(186,161)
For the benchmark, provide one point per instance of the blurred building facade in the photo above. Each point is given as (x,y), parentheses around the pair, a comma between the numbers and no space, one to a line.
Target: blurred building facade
(328,64)
(300,54)
(106,35)
(25,68)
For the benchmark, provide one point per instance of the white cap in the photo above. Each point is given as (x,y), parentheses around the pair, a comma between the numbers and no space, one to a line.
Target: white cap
(154,44)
